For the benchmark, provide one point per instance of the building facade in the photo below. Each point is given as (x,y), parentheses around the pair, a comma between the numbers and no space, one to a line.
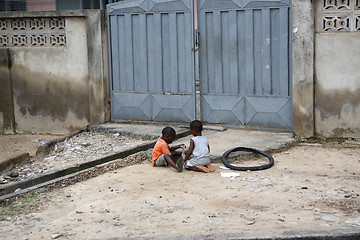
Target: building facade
(54,66)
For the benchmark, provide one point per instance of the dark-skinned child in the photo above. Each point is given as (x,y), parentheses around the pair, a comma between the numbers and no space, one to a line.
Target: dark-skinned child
(163,154)
(199,149)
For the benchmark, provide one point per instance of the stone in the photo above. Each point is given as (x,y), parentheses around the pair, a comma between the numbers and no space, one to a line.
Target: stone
(353,222)
(250,222)
(230,174)
(56,235)
(13,174)
(330,218)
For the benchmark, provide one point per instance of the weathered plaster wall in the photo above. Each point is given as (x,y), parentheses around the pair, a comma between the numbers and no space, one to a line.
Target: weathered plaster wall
(303,70)
(7,122)
(326,75)
(337,71)
(97,56)
(51,84)
(337,90)
(61,89)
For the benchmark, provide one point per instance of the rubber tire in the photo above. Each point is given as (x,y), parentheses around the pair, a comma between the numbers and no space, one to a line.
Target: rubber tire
(245,149)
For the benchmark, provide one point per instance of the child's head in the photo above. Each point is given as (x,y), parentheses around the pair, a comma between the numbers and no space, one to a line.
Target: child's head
(168,134)
(196,127)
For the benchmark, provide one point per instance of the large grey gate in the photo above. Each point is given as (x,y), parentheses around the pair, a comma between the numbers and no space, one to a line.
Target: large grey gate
(152,62)
(245,63)
(245,77)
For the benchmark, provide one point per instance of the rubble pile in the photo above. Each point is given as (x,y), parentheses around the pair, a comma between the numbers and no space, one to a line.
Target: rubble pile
(81,148)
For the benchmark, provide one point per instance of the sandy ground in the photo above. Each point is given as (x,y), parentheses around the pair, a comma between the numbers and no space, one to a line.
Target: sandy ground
(310,187)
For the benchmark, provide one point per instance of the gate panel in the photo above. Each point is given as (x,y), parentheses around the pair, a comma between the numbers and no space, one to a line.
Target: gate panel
(151,60)
(244,63)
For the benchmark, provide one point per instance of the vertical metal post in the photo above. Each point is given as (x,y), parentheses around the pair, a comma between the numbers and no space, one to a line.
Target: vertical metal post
(196,62)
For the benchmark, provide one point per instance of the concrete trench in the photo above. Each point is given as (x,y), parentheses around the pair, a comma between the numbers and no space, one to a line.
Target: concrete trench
(51,177)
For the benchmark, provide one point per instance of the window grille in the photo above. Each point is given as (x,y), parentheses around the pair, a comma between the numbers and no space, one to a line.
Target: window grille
(32,32)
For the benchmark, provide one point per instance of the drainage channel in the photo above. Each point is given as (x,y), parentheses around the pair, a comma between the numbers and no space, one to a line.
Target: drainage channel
(52,177)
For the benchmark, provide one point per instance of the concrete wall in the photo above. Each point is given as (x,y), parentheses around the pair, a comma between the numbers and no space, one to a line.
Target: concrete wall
(337,90)
(326,73)
(337,75)
(60,89)
(7,121)
(303,67)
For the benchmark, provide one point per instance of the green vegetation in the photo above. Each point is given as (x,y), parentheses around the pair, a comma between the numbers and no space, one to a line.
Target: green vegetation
(22,205)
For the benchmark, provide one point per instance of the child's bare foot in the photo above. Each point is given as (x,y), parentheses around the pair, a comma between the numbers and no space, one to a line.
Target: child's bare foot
(203,169)
(211,168)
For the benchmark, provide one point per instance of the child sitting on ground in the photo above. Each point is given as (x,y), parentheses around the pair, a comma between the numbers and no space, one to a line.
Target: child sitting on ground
(163,154)
(200,149)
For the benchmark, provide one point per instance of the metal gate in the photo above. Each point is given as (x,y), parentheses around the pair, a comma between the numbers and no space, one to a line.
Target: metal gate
(244,55)
(152,62)
(245,63)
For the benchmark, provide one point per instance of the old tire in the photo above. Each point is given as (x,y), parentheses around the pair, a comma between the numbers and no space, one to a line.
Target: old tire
(245,149)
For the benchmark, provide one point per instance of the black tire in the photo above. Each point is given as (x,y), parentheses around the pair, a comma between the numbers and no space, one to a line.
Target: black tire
(245,149)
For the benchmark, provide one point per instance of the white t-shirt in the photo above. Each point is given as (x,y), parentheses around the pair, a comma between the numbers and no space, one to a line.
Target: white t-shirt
(201,154)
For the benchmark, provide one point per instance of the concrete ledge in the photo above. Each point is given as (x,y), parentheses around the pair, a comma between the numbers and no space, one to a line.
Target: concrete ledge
(333,234)
(34,187)
(9,162)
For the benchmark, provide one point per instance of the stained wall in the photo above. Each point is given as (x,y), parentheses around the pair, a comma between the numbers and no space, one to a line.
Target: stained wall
(303,67)
(337,69)
(7,121)
(326,72)
(57,71)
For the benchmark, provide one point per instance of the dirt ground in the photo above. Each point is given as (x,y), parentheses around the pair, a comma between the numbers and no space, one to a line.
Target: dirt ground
(310,187)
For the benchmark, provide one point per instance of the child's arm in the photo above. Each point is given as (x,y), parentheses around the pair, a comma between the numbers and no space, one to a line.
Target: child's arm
(189,151)
(176,147)
(176,153)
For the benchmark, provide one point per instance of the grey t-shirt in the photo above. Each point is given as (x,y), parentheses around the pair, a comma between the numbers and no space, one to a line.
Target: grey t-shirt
(201,155)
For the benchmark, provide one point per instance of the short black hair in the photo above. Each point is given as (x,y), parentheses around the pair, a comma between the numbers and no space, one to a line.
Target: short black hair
(196,125)
(168,131)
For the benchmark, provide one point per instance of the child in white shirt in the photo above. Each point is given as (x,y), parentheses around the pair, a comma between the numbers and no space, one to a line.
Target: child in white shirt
(199,149)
